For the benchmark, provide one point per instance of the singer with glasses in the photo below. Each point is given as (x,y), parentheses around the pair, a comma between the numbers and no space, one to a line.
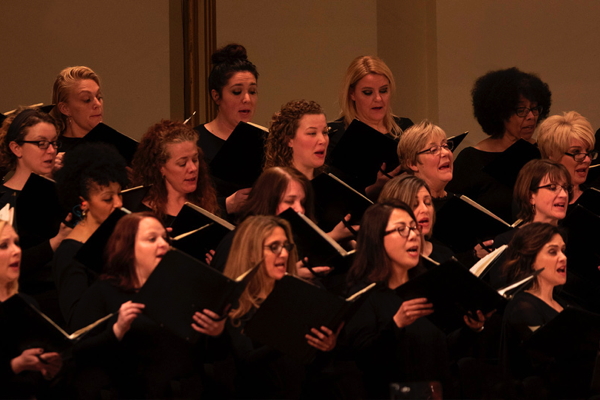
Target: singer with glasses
(508,104)
(424,152)
(569,140)
(263,372)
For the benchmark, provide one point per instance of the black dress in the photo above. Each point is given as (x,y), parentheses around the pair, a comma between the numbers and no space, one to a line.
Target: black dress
(149,362)
(209,143)
(387,354)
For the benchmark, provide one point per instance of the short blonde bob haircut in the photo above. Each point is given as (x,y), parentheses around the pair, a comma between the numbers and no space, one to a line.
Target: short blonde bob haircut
(13,287)
(414,139)
(359,68)
(63,84)
(247,250)
(554,135)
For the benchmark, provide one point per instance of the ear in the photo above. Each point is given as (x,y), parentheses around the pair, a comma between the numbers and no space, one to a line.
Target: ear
(215,96)
(532,199)
(291,143)
(64,109)
(16,149)
(351,92)
(84,203)
(413,167)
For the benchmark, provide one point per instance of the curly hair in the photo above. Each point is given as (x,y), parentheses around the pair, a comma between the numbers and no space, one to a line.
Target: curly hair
(87,165)
(268,190)
(227,61)
(282,129)
(152,154)
(359,68)
(246,251)
(9,133)
(524,248)
(529,179)
(496,94)
(63,83)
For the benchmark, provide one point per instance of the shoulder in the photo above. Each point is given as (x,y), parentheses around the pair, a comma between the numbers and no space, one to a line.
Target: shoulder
(403,123)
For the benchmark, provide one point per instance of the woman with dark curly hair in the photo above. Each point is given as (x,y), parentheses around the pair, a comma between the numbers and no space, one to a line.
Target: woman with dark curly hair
(90,184)
(169,160)
(298,138)
(508,104)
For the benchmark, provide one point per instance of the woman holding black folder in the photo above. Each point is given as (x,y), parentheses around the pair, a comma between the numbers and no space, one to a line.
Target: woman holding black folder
(20,373)
(169,160)
(263,372)
(540,246)
(134,357)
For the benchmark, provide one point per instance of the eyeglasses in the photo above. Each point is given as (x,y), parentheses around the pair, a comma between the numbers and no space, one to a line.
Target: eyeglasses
(42,144)
(277,247)
(403,230)
(524,111)
(553,187)
(580,157)
(435,150)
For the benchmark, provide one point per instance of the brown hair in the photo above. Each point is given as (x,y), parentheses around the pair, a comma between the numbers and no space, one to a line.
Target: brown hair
(63,84)
(524,248)
(120,251)
(152,154)
(246,251)
(282,129)
(268,191)
(529,179)
(359,68)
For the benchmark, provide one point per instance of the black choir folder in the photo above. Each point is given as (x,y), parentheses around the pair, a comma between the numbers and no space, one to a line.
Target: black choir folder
(180,285)
(334,199)
(456,140)
(27,327)
(461,223)
(361,152)
(571,330)
(455,292)
(133,197)
(311,241)
(91,254)
(196,231)
(241,158)
(293,308)
(125,145)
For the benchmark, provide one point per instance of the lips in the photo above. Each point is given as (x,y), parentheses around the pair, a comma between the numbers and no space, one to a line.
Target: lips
(562,270)
(16,264)
(413,251)
(582,171)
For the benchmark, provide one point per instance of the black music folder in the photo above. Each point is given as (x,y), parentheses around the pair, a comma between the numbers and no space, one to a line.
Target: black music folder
(589,199)
(91,254)
(180,285)
(27,327)
(505,168)
(294,307)
(125,145)
(133,197)
(462,223)
(334,199)
(361,152)
(456,140)
(241,158)
(192,217)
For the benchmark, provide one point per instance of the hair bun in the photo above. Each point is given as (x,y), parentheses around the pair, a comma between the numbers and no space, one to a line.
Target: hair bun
(229,54)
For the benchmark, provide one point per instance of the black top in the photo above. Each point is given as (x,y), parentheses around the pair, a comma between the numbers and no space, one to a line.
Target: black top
(386,353)
(70,276)
(440,253)
(209,143)
(149,362)
(470,180)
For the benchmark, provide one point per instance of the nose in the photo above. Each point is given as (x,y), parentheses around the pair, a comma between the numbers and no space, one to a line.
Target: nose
(117,201)
(297,206)
(192,166)
(246,97)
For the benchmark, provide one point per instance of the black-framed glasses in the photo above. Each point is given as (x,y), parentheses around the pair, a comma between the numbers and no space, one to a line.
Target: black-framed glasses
(524,111)
(553,187)
(277,247)
(403,230)
(580,157)
(435,149)
(42,144)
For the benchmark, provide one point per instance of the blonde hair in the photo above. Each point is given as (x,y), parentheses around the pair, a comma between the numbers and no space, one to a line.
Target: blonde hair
(247,250)
(63,83)
(555,133)
(414,139)
(13,287)
(359,68)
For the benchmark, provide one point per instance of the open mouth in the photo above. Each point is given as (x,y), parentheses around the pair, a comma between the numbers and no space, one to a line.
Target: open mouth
(244,112)
(562,270)
(560,205)
(582,171)
(16,264)
(445,166)
(413,251)
(320,153)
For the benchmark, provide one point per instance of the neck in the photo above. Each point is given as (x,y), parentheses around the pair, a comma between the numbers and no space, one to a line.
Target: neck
(17,181)
(221,127)
(544,292)
(546,219)
(576,193)
(399,276)
(438,190)
(377,125)
(427,248)
(142,276)
(4,292)
(83,230)
(74,131)
(306,171)
(175,201)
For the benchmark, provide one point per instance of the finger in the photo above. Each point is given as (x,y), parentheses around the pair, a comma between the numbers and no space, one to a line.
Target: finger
(326,330)
(317,333)
(211,314)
